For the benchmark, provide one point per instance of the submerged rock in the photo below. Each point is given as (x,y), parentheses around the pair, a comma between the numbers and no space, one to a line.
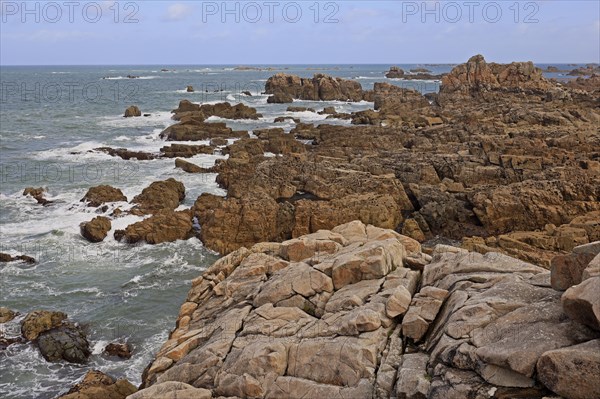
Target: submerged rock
(22,258)
(37,194)
(119,349)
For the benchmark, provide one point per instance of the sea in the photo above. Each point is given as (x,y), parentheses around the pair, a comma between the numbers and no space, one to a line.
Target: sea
(51,120)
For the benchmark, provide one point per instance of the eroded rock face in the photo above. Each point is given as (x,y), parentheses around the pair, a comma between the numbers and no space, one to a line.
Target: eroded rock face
(273,323)
(500,316)
(282,320)
(97,385)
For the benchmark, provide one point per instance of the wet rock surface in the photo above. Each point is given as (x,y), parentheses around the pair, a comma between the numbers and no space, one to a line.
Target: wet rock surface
(96,229)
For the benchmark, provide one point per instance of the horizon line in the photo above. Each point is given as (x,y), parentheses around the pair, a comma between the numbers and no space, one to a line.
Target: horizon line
(295,64)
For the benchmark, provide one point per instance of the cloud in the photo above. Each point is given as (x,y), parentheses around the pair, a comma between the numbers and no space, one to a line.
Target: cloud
(177,12)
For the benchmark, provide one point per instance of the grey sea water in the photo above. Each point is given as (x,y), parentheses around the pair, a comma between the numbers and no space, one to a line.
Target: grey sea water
(50,119)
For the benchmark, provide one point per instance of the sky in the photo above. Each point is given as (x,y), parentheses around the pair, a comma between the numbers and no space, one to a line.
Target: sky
(267,32)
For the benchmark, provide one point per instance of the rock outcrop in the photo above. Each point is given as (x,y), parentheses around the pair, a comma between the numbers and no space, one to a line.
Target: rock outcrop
(126,154)
(394,73)
(4,257)
(96,229)
(56,337)
(132,111)
(478,76)
(100,195)
(338,313)
(318,88)
(162,226)
(189,110)
(158,196)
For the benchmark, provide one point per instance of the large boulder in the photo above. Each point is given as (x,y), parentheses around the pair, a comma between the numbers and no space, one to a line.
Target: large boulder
(122,350)
(96,229)
(132,111)
(99,195)
(582,302)
(97,385)
(572,372)
(160,195)
(67,342)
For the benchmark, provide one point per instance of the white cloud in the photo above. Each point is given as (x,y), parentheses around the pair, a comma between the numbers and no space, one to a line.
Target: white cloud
(177,12)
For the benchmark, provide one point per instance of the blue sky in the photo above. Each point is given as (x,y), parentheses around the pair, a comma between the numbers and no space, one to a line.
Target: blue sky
(273,32)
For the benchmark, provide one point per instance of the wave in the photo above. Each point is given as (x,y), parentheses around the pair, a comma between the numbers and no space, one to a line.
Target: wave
(125,77)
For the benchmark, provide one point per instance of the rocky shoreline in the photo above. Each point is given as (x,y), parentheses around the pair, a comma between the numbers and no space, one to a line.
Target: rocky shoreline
(318,294)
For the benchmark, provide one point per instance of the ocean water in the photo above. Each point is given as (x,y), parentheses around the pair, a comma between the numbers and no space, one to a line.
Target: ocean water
(50,119)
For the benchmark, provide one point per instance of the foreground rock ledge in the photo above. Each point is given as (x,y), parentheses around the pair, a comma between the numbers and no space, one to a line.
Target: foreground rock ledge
(327,315)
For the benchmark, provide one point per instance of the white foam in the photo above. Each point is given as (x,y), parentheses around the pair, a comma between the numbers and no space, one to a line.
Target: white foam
(125,77)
